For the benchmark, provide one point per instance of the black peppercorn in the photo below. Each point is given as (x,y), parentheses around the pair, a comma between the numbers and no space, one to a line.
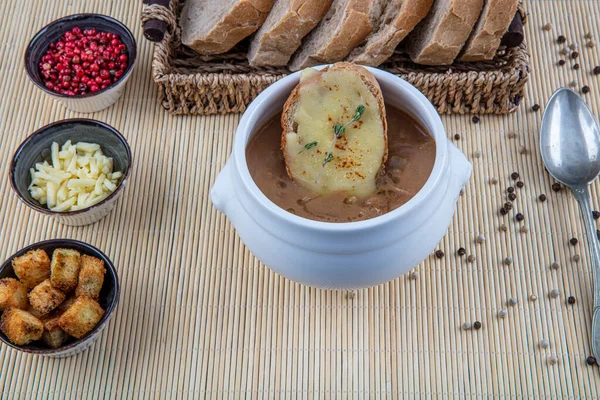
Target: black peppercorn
(571,300)
(556,187)
(596,214)
(476,325)
(542,197)
(503,211)
(508,205)
(591,360)
(510,189)
(439,254)
(514,176)
(585,89)
(535,107)
(512,196)
(575,66)
(561,39)
(519,217)
(561,62)
(461,251)
(457,137)
(475,119)
(574,241)
(520,184)
(597,70)
(574,55)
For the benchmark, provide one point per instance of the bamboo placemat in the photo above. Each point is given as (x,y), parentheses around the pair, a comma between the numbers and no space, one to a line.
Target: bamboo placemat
(200,316)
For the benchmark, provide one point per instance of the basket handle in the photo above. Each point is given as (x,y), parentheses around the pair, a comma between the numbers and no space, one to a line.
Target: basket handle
(156,18)
(514,36)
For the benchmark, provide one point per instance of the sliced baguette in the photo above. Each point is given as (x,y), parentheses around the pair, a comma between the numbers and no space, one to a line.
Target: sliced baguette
(398,19)
(321,100)
(283,30)
(491,26)
(346,24)
(438,39)
(214,27)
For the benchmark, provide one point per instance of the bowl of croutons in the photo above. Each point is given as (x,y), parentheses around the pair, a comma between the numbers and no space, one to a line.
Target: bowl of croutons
(56,297)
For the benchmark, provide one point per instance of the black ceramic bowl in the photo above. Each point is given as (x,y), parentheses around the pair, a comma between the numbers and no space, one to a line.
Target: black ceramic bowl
(36,148)
(38,46)
(109,296)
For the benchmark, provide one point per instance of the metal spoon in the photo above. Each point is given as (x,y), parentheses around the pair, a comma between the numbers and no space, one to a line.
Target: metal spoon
(570,145)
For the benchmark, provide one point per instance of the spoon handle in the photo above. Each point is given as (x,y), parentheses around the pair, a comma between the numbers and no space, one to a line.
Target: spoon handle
(582,196)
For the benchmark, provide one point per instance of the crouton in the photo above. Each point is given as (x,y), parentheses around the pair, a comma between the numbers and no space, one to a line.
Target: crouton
(53,334)
(83,315)
(21,327)
(32,267)
(91,277)
(64,306)
(45,298)
(36,314)
(64,269)
(13,294)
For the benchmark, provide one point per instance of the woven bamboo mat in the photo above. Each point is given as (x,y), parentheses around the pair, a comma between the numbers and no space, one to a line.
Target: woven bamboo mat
(200,316)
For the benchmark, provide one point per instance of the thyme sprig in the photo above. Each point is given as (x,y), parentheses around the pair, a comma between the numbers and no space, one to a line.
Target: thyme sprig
(308,146)
(338,132)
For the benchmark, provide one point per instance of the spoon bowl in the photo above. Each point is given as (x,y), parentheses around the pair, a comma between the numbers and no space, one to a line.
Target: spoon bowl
(570,140)
(570,147)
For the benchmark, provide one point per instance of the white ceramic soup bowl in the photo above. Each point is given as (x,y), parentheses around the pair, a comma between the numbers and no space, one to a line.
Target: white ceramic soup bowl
(348,255)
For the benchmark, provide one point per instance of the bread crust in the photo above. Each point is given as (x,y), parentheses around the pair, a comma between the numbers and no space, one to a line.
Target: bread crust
(275,45)
(491,26)
(353,30)
(439,42)
(380,45)
(243,19)
(289,108)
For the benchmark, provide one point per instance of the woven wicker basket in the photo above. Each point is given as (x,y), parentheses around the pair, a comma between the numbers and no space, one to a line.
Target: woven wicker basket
(202,85)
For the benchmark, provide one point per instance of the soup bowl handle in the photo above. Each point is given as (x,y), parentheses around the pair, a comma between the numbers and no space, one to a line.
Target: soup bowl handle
(461,168)
(222,192)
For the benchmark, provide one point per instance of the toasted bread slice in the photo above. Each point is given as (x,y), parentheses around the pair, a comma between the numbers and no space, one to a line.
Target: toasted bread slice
(345,25)
(398,19)
(214,27)
(281,34)
(321,100)
(491,26)
(441,35)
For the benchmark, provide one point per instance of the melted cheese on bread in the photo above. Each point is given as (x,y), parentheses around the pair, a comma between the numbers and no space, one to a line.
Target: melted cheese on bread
(324,99)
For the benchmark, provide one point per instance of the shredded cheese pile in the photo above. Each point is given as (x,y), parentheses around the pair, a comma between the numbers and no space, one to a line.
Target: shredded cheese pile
(79,177)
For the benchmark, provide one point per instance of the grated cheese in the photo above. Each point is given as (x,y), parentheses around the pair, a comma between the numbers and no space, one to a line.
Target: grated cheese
(78,176)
